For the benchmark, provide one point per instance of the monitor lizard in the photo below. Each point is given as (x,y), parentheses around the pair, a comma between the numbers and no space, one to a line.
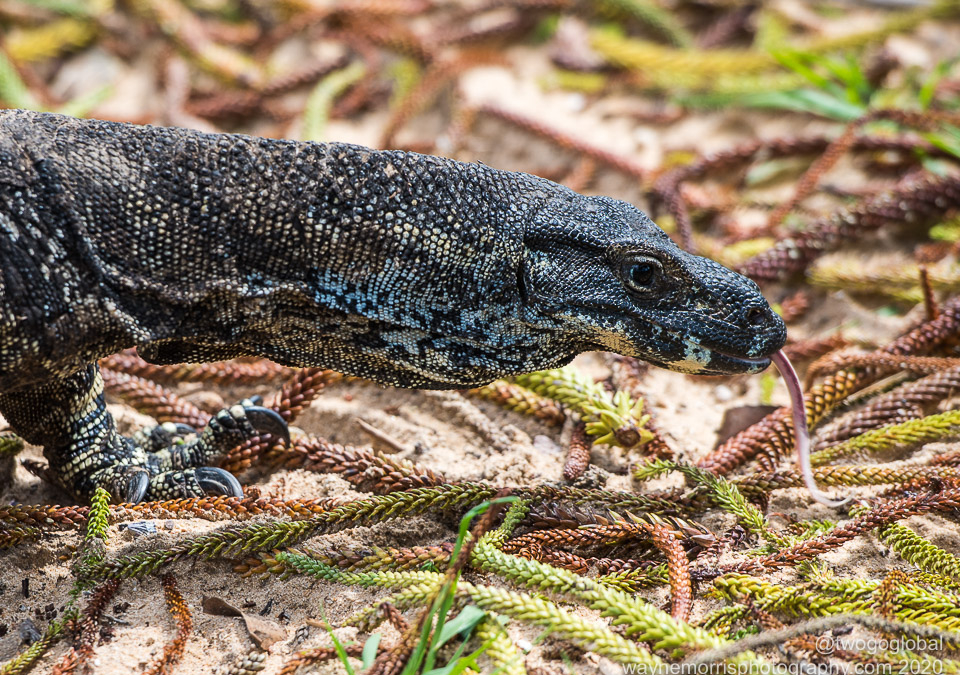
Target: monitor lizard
(406,269)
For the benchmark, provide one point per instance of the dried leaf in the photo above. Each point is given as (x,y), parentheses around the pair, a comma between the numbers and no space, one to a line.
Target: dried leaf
(263,632)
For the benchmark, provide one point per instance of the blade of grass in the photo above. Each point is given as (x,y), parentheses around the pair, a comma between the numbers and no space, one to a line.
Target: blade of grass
(458,547)
(459,664)
(929,88)
(795,61)
(948,140)
(848,71)
(369,654)
(425,652)
(341,652)
(798,100)
(469,617)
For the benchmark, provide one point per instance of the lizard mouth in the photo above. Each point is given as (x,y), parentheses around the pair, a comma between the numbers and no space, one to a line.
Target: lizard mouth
(667,347)
(700,359)
(738,364)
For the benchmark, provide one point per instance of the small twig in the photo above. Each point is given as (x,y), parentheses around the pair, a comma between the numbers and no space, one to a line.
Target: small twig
(929,301)
(383,437)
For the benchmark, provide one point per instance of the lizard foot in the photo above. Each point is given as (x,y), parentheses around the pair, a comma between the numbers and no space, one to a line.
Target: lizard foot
(133,484)
(178,467)
(69,419)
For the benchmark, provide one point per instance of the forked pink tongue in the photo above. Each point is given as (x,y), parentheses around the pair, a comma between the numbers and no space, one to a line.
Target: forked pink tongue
(800,430)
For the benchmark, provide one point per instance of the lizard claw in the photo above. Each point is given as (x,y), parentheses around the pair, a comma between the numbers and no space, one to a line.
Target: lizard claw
(218,482)
(184,429)
(136,488)
(268,421)
(126,484)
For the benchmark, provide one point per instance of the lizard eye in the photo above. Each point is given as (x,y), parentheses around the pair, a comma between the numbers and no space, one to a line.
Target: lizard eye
(640,274)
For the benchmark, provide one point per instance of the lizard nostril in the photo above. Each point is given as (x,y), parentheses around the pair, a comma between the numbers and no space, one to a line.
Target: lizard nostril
(756,316)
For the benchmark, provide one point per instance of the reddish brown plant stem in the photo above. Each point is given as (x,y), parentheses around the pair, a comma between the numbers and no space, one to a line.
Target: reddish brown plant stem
(681,588)
(173,652)
(578,453)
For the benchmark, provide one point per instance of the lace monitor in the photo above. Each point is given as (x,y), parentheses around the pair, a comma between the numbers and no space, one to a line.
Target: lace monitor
(407,269)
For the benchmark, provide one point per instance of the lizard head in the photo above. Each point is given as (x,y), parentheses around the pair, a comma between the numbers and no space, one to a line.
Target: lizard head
(602,270)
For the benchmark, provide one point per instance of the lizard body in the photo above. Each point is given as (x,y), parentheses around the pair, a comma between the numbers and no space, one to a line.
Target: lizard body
(406,269)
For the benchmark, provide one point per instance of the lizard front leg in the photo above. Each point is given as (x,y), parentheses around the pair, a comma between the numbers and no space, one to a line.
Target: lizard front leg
(69,419)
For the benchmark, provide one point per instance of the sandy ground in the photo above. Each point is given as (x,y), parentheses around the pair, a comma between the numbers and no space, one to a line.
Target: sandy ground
(465,438)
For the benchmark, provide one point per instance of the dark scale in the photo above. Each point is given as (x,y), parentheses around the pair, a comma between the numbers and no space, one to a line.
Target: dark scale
(406,269)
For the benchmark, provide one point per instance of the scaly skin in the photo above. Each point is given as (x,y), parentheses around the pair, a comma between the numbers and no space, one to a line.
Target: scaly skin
(406,269)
